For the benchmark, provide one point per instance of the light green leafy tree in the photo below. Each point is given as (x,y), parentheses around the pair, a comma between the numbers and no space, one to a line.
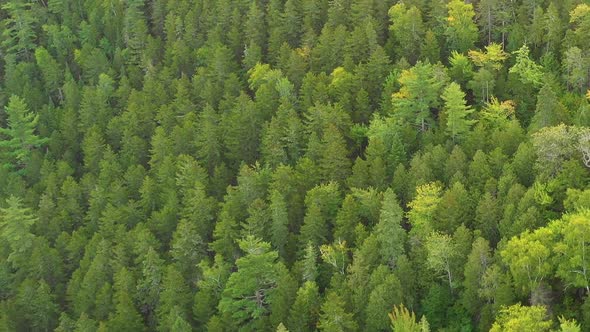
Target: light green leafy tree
(441,253)
(572,249)
(518,318)
(528,257)
(403,320)
(528,71)
(422,208)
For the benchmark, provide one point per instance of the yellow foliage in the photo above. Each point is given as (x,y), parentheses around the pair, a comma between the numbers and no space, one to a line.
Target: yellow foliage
(579,13)
(493,56)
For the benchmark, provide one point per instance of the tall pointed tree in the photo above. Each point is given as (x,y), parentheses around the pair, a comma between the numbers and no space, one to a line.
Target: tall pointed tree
(246,295)
(20,134)
(457,111)
(419,92)
(15,224)
(19,29)
(334,316)
(461,31)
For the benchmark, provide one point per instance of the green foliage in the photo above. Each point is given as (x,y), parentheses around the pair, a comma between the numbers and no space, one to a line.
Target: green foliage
(389,230)
(246,295)
(457,111)
(441,253)
(527,70)
(403,319)
(422,209)
(19,29)
(20,138)
(549,111)
(294,165)
(528,257)
(304,313)
(461,31)
(406,28)
(16,231)
(419,92)
(333,316)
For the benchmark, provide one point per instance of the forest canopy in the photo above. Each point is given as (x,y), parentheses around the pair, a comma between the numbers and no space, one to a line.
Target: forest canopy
(294,165)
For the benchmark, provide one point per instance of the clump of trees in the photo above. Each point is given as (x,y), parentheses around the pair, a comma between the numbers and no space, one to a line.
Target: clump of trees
(294,165)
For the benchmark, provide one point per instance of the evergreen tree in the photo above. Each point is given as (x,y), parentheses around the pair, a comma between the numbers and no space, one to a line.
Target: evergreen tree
(406,28)
(404,320)
(334,164)
(389,230)
(126,316)
(333,316)
(246,295)
(461,31)
(304,313)
(280,222)
(210,288)
(19,29)
(20,134)
(456,111)
(174,300)
(16,231)
(549,111)
(419,93)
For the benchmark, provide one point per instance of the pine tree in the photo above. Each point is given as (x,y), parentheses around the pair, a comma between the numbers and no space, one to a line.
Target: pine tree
(314,230)
(549,111)
(174,300)
(19,31)
(15,230)
(382,298)
(419,92)
(280,222)
(305,310)
(406,28)
(210,287)
(477,263)
(309,264)
(208,140)
(404,320)
(334,163)
(389,230)
(246,295)
(334,317)
(135,30)
(51,71)
(346,220)
(149,286)
(461,31)
(457,111)
(21,139)
(126,316)
(37,303)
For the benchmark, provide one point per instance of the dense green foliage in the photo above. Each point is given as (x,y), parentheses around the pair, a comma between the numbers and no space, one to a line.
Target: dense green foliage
(294,165)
